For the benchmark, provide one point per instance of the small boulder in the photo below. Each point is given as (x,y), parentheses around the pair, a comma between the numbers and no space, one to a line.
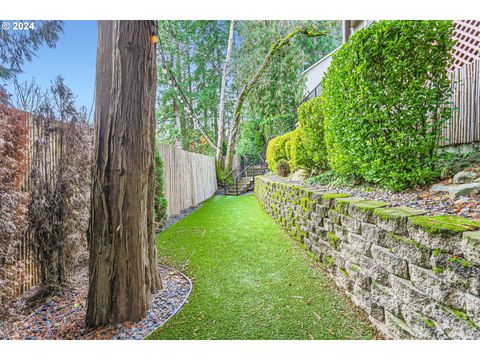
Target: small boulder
(455,191)
(300,175)
(439,188)
(463,177)
(461,200)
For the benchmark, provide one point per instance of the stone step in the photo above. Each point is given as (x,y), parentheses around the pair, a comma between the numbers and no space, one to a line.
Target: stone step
(245,183)
(240,190)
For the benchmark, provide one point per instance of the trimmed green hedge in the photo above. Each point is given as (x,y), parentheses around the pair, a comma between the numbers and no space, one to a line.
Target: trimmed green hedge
(277,150)
(384,102)
(297,158)
(309,149)
(304,147)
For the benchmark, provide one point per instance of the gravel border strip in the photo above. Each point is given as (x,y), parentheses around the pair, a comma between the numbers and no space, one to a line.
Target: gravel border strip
(164,305)
(181,304)
(172,220)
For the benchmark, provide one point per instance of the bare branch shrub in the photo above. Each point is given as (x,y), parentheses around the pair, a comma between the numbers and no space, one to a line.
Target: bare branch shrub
(13,146)
(60,187)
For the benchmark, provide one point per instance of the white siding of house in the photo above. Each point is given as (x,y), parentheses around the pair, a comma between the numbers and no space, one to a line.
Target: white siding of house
(315,73)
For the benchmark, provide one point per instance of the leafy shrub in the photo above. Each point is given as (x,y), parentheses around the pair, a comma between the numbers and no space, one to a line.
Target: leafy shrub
(298,155)
(384,102)
(221,175)
(160,199)
(449,163)
(283,169)
(278,125)
(333,179)
(308,146)
(287,143)
(251,140)
(277,150)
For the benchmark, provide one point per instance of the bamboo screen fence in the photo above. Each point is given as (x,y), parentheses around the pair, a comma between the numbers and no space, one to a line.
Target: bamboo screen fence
(464,126)
(189,178)
(28,272)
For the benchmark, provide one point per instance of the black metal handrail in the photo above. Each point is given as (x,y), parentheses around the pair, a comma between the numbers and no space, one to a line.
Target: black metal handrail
(230,173)
(250,165)
(263,162)
(317,91)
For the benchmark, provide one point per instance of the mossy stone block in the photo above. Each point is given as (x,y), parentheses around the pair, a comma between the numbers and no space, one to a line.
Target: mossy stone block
(329,198)
(450,224)
(442,232)
(392,213)
(437,289)
(409,249)
(397,327)
(456,323)
(363,209)
(342,204)
(394,219)
(471,246)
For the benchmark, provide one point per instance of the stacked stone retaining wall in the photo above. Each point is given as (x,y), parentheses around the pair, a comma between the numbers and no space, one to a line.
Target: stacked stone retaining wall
(416,276)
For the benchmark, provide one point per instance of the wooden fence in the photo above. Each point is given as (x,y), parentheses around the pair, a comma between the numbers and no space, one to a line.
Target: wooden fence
(189,178)
(464,126)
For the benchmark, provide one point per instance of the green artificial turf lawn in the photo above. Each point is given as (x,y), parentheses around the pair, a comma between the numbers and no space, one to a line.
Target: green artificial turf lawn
(250,280)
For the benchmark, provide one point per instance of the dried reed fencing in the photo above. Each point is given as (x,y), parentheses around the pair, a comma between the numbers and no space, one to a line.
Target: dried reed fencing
(24,264)
(189,178)
(47,138)
(464,126)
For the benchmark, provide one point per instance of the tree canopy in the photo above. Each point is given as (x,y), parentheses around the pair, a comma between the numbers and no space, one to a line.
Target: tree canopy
(192,55)
(16,47)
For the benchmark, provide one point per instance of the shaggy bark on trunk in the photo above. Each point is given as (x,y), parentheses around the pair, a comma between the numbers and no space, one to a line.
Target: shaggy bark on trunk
(232,140)
(221,112)
(123,266)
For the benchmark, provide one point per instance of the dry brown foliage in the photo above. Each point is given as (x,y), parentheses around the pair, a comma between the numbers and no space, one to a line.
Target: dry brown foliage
(60,188)
(13,145)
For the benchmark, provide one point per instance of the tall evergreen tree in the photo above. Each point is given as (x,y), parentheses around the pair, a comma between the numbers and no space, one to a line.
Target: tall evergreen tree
(16,47)
(123,267)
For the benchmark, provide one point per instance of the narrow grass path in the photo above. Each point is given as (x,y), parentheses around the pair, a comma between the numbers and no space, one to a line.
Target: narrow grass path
(250,280)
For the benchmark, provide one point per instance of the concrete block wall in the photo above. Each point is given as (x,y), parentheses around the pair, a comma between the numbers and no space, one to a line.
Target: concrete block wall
(416,276)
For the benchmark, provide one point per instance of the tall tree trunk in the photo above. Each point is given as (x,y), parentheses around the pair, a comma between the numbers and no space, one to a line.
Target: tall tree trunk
(178,124)
(123,266)
(221,110)
(277,45)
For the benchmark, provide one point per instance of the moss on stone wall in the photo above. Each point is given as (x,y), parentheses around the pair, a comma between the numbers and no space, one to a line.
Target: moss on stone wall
(445,224)
(386,254)
(393,213)
(334,196)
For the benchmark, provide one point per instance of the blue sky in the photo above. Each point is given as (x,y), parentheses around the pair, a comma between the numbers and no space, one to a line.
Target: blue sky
(73,58)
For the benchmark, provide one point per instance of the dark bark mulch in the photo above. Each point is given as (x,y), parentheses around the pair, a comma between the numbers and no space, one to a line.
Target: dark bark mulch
(62,316)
